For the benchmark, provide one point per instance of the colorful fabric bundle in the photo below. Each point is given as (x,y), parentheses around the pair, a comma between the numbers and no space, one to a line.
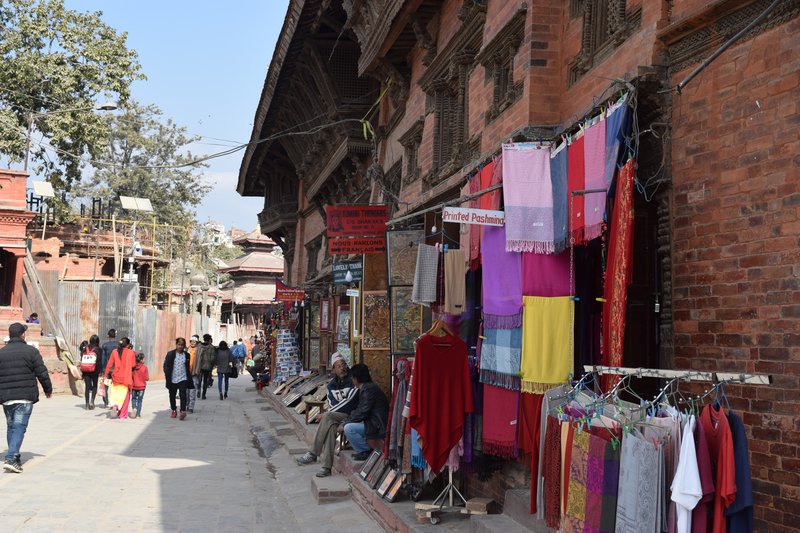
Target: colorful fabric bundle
(558,180)
(501,352)
(528,198)
(576,182)
(547,342)
(425,275)
(500,429)
(575,509)
(616,127)
(594,159)
(545,274)
(619,268)
(455,290)
(394,444)
(602,481)
(491,174)
(502,281)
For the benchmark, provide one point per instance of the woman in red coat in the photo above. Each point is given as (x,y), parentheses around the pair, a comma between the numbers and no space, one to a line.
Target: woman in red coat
(120,370)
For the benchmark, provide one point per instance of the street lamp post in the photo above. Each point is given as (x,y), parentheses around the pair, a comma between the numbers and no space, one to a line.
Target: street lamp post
(107,106)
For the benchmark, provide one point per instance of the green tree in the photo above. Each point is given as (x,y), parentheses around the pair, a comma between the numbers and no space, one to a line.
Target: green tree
(145,159)
(53,59)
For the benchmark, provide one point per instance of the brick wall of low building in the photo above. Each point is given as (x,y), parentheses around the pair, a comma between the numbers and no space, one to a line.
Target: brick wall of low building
(736,231)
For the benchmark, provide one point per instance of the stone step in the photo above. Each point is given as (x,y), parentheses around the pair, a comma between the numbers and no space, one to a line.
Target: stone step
(34,330)
(295,446)
(283,430)
(494,523)
(330,489)
(517,506)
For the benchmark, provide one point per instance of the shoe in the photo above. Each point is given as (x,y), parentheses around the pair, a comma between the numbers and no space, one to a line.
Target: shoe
(226,395)
(220,396)
(306,459)
(113,413)
(191,411)
(134,413)
(87,406)
(12,466)
(325,472)
(91,407)
(203,397)
(183,415)
(362,456)
(174,414)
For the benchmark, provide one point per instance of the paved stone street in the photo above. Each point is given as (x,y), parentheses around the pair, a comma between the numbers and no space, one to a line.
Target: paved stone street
(84,472)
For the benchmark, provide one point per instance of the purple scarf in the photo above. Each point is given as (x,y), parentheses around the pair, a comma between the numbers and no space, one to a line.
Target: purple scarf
(502,281)
(545,275)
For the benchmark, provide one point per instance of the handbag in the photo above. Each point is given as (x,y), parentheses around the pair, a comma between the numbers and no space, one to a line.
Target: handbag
(233,372)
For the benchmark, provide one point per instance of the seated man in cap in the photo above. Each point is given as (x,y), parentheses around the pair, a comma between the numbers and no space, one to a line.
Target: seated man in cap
(342,399)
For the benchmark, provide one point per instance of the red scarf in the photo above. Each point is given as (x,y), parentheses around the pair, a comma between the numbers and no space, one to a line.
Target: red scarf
(576,181)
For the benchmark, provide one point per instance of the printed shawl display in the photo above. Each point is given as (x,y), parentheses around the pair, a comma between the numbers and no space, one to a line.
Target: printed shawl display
(545,274)
(594,160)
(528,198)
(455,290)
(619,268)
(491,174)
(441,394)
(547,342)
(616,126)
(501,351)
(502,281)
(551,459)
(575,508)
(394,444)
(602,482)
(500,429)
(575,182)
(638,489)
(558,180)
(425,275)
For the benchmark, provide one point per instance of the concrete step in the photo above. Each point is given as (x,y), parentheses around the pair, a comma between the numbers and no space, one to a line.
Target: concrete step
(283,430)
(517,506)
(330,489)
(294,446)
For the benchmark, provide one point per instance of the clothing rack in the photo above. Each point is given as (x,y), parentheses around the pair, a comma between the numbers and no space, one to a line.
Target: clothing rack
(689,375)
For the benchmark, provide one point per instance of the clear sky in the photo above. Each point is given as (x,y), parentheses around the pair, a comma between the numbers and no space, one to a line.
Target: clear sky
(205,63)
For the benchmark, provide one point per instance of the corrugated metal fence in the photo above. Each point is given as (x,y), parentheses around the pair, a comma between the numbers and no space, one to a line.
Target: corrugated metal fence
(89,308)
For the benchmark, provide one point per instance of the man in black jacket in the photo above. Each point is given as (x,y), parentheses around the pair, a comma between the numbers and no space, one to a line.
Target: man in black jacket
(107,347)
(368,420)
(20,366)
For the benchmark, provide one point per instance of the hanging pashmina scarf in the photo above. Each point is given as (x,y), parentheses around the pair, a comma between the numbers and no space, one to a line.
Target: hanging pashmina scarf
(425,275)
(616,126)
(528,198)
(474,231)
(619,268)
(502,281)
(501,351)
(594,161)
(602,480)
(455,290)
(545,275)
(500,428)
(576,182)
(558,180)
(547,342)
(492,174)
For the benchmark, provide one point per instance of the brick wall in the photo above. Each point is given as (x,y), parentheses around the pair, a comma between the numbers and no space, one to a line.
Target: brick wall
(736,176)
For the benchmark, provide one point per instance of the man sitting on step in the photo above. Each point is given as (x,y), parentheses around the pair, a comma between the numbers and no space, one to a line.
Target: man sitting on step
(342,399)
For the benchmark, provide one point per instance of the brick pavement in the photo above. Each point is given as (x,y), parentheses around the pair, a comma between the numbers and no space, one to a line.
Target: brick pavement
(84,472)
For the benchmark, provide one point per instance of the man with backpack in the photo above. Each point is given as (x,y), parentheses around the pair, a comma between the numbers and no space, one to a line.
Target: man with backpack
(109,346)
(20,366)
(208,358)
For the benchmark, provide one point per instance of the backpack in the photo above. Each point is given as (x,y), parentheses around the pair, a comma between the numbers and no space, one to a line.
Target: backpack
(88,361)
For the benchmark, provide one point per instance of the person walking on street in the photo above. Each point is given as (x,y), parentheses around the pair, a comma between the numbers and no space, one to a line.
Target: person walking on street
(178,376)
(224,363)
(196,375)
(20,366)
(208,358)
(120,369)
(91,361)
(141,375)
(107,347)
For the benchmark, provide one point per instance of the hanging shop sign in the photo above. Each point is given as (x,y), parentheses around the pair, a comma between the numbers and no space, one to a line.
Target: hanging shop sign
(356,220)
(340,270)
(483,217)
(356,245)
(288,294)
(353,293)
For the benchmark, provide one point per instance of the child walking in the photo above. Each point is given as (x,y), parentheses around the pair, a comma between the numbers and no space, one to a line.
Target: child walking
(141,375)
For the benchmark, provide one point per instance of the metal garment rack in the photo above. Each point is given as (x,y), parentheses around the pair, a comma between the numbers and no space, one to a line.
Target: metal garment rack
(689,375)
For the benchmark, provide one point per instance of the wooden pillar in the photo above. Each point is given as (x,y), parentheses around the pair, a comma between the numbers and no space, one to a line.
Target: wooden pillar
(19,269)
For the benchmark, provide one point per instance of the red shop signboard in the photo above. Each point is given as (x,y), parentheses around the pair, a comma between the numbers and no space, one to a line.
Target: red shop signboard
(356,220)
(356,245)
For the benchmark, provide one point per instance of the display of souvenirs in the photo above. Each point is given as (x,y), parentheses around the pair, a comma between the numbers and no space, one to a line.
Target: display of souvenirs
(287,356)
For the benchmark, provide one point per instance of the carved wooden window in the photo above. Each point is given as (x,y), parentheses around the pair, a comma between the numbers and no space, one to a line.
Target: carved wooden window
(498,58)
(448,125)
(606,24)
(312,252)
(411,141)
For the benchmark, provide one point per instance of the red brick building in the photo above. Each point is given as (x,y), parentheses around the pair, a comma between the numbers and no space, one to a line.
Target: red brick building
(716,278)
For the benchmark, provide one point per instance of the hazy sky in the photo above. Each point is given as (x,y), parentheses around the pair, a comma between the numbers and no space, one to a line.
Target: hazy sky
(205,63)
